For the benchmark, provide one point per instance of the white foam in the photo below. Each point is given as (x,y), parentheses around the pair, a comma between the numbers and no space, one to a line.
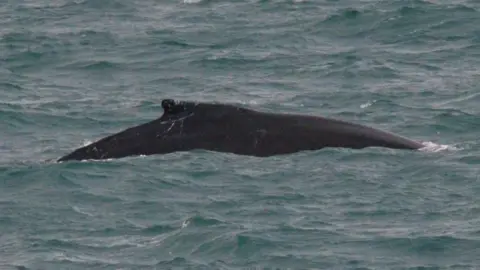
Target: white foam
(433,147)
(81,211)
(185,223)
(97,160)
(368,104)
(86,142)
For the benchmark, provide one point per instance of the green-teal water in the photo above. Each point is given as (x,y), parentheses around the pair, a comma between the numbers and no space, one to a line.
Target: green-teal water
(73,71)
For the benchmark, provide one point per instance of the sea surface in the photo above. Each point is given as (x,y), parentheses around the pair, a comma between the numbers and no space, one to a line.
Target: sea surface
(72,72)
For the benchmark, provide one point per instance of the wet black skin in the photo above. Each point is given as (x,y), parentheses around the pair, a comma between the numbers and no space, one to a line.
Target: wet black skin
(228,128)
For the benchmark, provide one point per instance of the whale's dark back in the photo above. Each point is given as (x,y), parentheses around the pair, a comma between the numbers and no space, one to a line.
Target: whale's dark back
(187,126)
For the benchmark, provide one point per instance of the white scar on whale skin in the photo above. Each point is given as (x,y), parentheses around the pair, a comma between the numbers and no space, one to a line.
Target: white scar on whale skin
(171,126)
(181,120)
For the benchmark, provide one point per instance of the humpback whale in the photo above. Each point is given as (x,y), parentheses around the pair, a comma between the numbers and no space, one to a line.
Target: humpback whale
(187,125)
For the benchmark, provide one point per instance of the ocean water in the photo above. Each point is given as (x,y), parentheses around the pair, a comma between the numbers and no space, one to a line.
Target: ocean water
(73,71)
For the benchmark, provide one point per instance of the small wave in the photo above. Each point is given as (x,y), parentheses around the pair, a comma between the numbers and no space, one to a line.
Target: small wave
(91,242)
(158,229)
(175,262)
(21,267)
(62,257)
(176,43)
(368,104)
(428,244)
(219,61)
(8,85)
(348,13)
(192,1)
(82,211)
(97,65)
(433,147)
(458,100)
(202,221)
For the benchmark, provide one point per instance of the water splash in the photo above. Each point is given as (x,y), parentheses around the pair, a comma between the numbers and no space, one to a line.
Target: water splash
(433,147)
(368,104)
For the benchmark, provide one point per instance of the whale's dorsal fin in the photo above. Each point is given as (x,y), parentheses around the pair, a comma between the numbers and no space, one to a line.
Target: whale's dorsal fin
(171,106)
